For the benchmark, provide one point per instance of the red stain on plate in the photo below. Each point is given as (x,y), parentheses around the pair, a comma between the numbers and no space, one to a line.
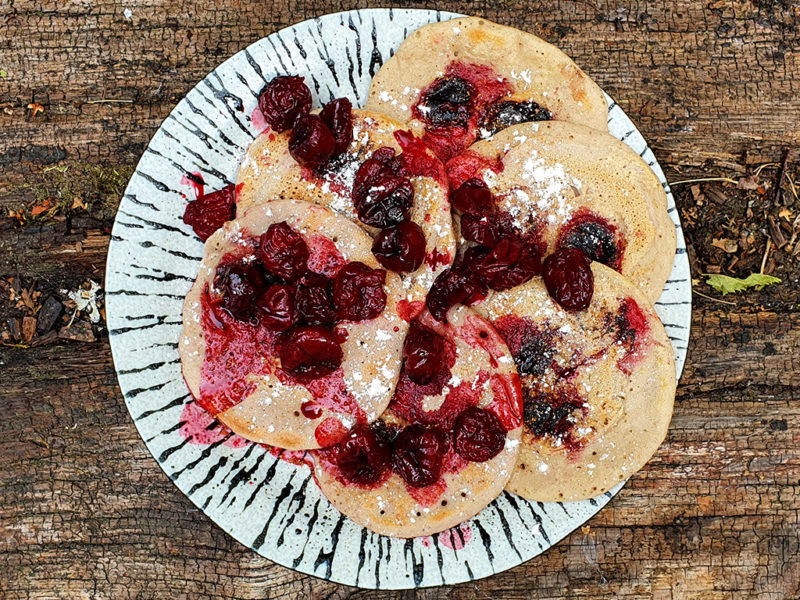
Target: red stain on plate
(198,427)
(456,537)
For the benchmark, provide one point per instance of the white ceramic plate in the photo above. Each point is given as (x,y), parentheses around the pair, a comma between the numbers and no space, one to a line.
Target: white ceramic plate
(266,503)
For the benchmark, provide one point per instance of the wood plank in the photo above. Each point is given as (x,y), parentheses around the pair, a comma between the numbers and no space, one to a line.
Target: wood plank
(87,513)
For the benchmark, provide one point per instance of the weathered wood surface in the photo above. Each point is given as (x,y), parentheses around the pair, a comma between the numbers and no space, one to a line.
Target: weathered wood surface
(85,512)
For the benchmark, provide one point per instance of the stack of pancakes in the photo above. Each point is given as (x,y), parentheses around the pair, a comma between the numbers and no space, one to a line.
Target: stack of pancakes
(589,394)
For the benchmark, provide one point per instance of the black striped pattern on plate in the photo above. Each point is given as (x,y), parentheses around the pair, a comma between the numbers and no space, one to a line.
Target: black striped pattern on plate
(266,503)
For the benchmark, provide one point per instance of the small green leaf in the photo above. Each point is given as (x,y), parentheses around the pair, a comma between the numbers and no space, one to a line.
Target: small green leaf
(3,73)
(730,285)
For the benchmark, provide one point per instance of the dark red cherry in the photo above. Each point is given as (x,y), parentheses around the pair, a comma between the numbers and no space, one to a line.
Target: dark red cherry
(276,308)
(338,116)
(510,112)
(311,143)
(400,248)
(481,229)
(387,202)
(595,238)
(473,197)
(509,264)
(385,156)
(309,352)
(382,195)
(418,453)
(568,278)
(284,100)
(363,458)
(240,286)
(423,351)
(210,212)
(472,257)
(451,287)
(478,435)
(446,102)
(313,299)
(284,252)
(358,292)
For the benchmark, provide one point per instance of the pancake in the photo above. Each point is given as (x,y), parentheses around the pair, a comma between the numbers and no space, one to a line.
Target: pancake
(268,173)
(565,184)
(232,368)
(512,76)
(481,373)
(598,385)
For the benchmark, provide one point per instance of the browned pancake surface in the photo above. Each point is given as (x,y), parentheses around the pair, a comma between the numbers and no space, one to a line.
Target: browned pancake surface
(598,385)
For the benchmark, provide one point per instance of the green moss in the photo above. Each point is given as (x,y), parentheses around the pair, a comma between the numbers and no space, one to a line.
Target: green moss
(99,187)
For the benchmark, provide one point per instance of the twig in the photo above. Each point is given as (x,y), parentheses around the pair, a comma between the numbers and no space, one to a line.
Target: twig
(760,168)
(725,179)
(766,255)
(715,299)
(791,184)
(784,160)
(109,102)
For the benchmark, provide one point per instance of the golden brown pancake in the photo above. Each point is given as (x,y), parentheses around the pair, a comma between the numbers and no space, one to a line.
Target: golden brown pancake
(559,183)
(500,65)
(598,385)
(272,408)
(483,374)
(269,173)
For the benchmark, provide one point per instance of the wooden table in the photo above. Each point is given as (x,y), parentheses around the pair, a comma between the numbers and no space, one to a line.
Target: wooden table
(85,512)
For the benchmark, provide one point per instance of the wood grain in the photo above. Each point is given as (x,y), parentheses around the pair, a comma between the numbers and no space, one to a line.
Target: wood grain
(85,512)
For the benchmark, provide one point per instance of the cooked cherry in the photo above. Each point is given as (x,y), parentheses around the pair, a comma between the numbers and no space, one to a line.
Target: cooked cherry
(385,431)
(358,292)
(483,230)
(385,156)
(471,257)
(423,351)
(446,102)
(284,100)
(283,251)
(451,287)
(276,308)
(534,356)
(451,90)
(240,286)
(381,197)
(314,299)
(210,212)
(338,116)
(309,352)
(595,239)
(511,112)
(400,248)
(509,264)
(569,279)
(311,142)
(418,453)
(478,435)
(543,416)
(363,458)
(473,197)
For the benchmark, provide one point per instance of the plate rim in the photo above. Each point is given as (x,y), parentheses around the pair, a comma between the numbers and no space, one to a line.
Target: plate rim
(111,301)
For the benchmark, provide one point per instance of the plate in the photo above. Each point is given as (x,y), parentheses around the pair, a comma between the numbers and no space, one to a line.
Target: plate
(269,504)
